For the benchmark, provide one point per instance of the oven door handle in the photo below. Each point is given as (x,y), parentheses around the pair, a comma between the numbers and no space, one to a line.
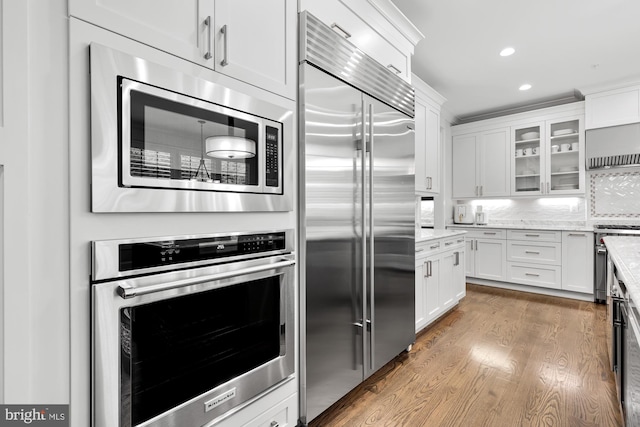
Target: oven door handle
(127,291)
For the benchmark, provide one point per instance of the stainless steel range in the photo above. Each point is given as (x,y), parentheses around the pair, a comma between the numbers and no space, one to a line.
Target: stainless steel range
(602,230)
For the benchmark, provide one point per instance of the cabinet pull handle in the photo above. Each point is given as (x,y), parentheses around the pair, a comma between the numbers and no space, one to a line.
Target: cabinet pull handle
(394,69)
(457,261)
(426,269)
(449,243)
(532,235)
(207,22)
(532,274)
(532,252)
(548,188)
(420,250)
(344,32)
(430,269)
(542,187)
(274,424)
(476,191)
(225,33)
(460,240)
(577,234)
(436,246)
(426,182)
(481,190)
(489,234)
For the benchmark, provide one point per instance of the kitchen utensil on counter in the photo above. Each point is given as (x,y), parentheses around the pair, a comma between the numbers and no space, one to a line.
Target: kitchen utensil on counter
(463,214)
(481,216)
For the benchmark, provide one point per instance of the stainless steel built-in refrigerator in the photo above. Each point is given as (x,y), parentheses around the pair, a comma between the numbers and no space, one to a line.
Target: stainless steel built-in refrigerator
(356,219)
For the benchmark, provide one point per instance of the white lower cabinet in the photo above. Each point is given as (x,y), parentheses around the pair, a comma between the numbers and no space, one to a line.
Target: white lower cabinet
(486,254)
(440,278)
(284,414)
(561,260)
(577,261)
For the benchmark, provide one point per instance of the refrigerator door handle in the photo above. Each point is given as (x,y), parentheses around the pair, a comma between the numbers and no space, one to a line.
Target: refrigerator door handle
(363,228)
(371,248)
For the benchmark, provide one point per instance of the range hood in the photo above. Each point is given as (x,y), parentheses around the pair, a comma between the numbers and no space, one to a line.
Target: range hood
(612,147)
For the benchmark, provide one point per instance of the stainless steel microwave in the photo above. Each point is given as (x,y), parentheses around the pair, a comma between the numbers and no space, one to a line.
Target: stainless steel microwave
(167,141)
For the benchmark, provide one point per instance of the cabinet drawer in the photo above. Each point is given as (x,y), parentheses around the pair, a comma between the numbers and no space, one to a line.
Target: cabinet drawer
(491,233)
(542,253)
(535,235)
(428,248)
(453,243)
(350,25)
(535,275)
(284,414)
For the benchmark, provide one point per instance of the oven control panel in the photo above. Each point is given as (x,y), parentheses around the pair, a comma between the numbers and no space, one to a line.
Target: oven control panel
(148,254)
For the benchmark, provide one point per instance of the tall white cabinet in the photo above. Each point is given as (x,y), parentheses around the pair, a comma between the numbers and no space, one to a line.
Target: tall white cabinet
(429,148)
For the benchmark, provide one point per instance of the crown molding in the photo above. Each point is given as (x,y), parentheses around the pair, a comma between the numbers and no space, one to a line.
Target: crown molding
(401,23)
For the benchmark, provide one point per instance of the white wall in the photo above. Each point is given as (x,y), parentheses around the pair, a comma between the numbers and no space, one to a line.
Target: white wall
(33,155)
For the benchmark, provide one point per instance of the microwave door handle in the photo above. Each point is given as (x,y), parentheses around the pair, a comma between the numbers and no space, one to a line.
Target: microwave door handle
(126,290)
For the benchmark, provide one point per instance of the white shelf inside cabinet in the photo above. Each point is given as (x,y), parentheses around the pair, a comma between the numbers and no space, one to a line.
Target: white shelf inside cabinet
(567,136)
(527,141)
(528,176)
(528,156)
(565,173)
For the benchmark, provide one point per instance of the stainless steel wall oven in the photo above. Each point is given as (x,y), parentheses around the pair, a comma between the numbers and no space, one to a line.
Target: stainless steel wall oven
(165,141)
(186,329)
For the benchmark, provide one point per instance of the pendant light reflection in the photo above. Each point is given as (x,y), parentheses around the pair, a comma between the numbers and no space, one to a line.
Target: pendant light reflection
(230,147)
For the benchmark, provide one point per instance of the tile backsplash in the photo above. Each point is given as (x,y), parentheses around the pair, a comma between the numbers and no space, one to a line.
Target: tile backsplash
(614,195)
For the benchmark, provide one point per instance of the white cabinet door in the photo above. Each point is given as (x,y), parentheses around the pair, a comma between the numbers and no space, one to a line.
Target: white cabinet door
(470,264)
(464,166)
(428,157)
(177,27)
(432,288)
(255,41)
(612,108)
(421,314)
(491,256)
(447,291)
(565,156)
(494,163)
(459,275)
(577,261)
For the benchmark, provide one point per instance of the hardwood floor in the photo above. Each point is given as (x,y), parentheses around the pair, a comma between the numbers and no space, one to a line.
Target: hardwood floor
(502,358)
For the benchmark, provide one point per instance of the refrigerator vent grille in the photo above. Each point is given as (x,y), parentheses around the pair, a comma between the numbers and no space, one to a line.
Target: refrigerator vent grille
(324,48)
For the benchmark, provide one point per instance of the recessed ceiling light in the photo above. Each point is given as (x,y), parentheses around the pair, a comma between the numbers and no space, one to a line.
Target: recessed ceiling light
(526,86)
(507,51)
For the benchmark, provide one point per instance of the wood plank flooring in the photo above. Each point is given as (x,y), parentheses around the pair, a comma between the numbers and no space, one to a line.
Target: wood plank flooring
(502,358)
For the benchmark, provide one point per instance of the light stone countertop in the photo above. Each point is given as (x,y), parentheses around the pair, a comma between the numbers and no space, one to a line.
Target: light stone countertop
(625,254)
(428,234)
(555,226)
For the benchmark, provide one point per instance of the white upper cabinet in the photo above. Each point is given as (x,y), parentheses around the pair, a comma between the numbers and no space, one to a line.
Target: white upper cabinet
(256,43)
(428,141)
(250,40)
(612,108)
(481,164)
(175,27)
(374,26)
(548,157)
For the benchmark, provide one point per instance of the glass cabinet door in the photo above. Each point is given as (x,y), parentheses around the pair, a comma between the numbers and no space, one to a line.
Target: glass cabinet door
(527,156)
(565,156)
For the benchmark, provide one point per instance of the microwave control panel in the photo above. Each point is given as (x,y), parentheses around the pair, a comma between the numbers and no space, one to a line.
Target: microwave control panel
(272,157)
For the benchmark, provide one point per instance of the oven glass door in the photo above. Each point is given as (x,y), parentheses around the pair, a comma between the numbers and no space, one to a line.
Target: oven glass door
(170,140)
(185,347)
(174,350)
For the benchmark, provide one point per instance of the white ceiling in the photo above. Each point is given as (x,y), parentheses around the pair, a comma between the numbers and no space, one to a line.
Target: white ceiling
(562,46)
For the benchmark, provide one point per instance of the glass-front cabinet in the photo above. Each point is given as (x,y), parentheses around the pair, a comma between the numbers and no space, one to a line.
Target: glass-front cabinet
(548,157)
(527,157)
